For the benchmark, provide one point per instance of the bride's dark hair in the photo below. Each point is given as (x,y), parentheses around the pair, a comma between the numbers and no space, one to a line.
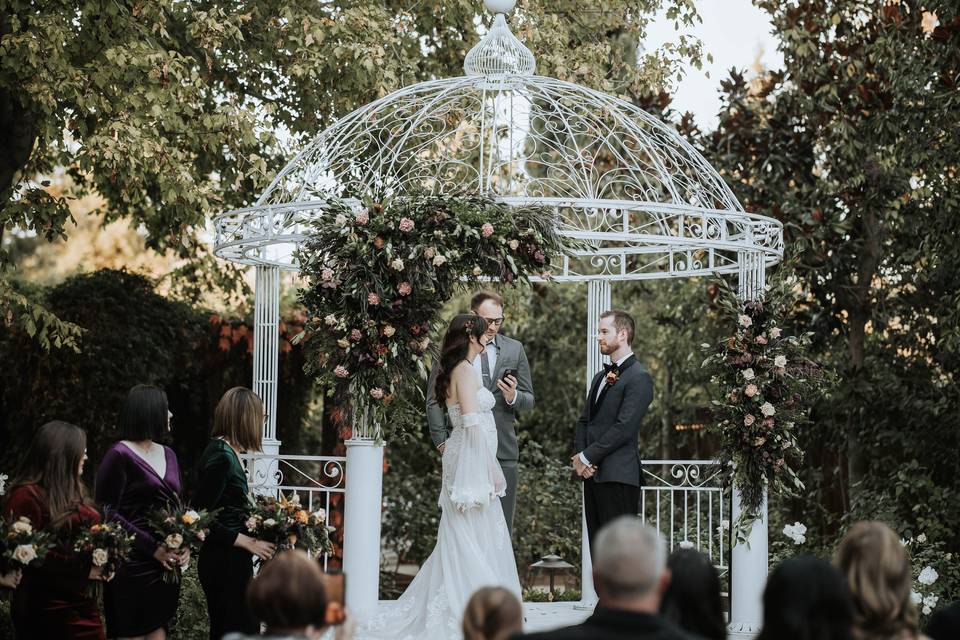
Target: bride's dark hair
(456,347)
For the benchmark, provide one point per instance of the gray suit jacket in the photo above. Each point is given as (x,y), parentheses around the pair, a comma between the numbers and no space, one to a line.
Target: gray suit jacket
(608,431)
(510,355)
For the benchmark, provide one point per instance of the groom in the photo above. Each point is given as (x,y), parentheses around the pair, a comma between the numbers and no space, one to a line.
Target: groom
(606,439)
(514,394)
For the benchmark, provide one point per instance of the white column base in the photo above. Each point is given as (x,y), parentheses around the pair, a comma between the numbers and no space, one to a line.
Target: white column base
(361,525)
(748,575)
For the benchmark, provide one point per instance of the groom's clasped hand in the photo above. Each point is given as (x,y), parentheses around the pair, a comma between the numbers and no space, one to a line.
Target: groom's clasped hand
(584,471)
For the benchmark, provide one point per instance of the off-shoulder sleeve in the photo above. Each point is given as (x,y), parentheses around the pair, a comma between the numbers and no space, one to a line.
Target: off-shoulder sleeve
(478,477)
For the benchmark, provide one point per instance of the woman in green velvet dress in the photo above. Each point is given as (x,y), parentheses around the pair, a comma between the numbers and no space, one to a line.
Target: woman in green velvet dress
(226,558)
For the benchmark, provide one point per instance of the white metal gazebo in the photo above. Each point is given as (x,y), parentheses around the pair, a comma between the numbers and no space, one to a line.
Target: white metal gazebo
(644,202)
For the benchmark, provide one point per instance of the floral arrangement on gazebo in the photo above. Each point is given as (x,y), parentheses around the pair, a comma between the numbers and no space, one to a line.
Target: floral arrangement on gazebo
(378,274)
(766,387)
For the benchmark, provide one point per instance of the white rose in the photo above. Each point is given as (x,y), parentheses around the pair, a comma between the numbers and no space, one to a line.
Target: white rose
(767,409)
(745,321)
(928,576)
(24,553)
(780,362)
(23,526)
(397,264)
(748,374)
(915,597)
(439,259)
(775,333)
(174,541)
(269,522)
(100,557)
(922,538)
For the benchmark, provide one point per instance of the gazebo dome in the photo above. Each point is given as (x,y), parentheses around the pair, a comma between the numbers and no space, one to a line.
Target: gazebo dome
(644,201)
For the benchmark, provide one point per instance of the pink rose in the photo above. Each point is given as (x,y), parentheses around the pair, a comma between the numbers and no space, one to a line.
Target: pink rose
(376,393)
(326,274)
(406,224)
(362,217)
(748,419)
(486,230)
(341,371)
(751,390)
(405,288)
(768,423)
(355,335)
(761,340)
(373,298)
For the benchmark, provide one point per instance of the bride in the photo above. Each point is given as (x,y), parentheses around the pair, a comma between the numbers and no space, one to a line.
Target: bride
(473,546)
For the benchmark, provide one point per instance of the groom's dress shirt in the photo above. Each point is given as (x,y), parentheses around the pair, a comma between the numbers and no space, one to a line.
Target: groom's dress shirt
(603,383)
(490,351)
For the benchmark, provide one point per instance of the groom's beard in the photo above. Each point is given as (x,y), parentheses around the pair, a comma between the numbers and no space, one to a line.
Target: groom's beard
(606,348)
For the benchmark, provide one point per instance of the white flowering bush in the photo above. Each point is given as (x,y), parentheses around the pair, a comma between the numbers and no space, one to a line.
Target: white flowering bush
(929,561)
(796,532)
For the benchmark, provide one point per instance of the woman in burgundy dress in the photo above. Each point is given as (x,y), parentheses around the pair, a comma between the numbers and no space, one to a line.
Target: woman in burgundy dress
(136,477)
(52,600)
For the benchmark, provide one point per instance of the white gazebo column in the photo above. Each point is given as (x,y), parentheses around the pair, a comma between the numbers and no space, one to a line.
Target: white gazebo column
(748,575)
(598,301)
(266,356)
(361,522)
(749,561)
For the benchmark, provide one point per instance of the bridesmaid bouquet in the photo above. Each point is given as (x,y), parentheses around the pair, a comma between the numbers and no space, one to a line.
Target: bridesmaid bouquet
(22,544)
(107,545)
(180,528)
(288,525)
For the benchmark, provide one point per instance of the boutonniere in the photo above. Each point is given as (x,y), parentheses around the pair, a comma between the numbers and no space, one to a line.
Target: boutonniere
(612,376)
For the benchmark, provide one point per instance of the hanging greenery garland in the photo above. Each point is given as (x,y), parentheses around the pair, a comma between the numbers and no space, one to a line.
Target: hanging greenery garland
(766,387)
(378,275)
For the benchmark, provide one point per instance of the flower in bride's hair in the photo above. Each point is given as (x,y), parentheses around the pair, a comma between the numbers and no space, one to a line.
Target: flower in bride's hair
(405,288)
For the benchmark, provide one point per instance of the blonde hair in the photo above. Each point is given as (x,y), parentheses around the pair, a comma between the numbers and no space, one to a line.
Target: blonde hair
(877,570)
(238,418)
(493,613)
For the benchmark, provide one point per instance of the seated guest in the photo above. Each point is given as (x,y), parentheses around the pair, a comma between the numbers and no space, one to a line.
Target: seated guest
(878,572)
(806,599)
(11,579)
(692,601)
(630,575)
(289,598)
(53,599)
(945,623)
(492,613)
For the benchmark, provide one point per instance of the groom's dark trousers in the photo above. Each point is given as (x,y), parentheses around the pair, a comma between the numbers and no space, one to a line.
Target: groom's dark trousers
(608,434)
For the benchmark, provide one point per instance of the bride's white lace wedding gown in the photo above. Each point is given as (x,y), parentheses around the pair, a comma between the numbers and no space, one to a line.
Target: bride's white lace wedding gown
(473,545)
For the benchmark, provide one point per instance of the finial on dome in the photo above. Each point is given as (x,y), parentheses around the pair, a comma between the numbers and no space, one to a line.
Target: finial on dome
(499,6)
(499,53)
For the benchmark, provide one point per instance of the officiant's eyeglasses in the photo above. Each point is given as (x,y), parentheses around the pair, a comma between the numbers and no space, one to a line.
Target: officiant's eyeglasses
(494,321)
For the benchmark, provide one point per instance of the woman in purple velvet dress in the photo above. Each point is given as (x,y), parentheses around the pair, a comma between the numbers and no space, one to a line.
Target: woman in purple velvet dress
(136,477)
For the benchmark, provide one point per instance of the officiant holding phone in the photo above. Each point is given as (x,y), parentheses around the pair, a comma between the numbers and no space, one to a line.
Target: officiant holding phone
(504,369)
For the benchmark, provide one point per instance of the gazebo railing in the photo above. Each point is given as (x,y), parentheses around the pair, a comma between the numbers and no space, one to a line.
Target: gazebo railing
(316,480)
(686,501)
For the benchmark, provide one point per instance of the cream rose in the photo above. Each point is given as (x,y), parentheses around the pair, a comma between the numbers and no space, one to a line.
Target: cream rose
(174,541)
(439,259)
(751,390)
(748,374)
(749,419)
(744,321)
(775,333)
(23,526)
(100,557)
(397,264)
(389,330)
(780,362)
(767,409)
(24,553)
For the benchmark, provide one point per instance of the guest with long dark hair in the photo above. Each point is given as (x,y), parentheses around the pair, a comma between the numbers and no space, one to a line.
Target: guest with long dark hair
(806,599)
(877,569)
(53,599)
(692,601)
(226,558)
(138,476)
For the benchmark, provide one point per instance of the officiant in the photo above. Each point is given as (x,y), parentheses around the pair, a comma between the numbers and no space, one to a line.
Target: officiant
(505,372)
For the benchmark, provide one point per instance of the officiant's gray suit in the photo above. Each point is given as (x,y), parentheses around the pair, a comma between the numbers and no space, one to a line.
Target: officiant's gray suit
(510,355)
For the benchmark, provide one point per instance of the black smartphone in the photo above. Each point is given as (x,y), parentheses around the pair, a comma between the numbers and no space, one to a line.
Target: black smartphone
(508,372)
(335,584)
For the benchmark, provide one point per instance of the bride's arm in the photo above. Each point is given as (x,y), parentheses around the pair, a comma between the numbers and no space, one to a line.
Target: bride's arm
(478,477)
(466,387)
